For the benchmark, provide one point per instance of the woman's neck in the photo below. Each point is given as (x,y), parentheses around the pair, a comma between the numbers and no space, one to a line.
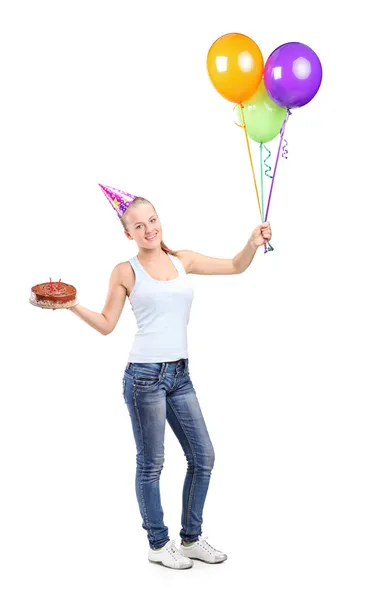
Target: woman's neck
(150,256)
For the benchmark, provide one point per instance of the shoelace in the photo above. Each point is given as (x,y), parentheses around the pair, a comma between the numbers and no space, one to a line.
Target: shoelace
(173,550)
(206,544)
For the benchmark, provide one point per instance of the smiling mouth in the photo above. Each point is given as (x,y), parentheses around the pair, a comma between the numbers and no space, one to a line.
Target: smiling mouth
(152,237)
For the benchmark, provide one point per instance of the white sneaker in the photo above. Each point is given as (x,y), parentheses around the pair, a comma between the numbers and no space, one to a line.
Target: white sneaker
(201,550)
(170,556)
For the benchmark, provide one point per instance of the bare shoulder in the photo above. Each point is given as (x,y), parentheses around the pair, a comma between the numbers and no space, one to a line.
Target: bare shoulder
(185,256)
(124,274)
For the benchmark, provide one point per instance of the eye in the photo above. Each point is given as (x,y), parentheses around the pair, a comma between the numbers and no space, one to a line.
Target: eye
(152,219)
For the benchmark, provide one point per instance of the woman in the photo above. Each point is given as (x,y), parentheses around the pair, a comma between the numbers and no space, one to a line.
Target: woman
(156,382)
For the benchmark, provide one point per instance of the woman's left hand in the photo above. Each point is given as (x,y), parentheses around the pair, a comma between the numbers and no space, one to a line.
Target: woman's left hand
(261,234)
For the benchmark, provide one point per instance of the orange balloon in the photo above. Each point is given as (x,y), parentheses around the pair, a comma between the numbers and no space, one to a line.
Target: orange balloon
(235,66)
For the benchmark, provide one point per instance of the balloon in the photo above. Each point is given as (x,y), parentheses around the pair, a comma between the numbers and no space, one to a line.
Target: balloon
(235,66)
(263,117)
(293,75)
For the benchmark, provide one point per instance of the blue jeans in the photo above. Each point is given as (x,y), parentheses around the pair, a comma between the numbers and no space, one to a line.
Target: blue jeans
(152,393)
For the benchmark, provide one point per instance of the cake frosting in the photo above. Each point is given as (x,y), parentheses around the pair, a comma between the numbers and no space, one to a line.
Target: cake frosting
(53,295)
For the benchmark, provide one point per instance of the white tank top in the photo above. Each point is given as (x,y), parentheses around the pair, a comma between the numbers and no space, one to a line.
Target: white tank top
(162,310)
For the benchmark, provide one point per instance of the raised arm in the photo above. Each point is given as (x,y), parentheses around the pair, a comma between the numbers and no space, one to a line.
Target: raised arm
(105,322)
(200,264)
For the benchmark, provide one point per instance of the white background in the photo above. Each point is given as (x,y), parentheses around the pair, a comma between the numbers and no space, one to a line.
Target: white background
(281,356)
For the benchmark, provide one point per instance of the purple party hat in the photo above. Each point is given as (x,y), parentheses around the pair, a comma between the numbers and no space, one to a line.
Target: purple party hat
(119,200)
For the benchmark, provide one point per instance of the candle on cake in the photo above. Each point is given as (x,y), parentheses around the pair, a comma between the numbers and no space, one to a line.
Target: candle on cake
(53,295)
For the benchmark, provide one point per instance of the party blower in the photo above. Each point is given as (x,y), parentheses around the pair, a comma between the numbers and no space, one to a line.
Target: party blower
(264,96)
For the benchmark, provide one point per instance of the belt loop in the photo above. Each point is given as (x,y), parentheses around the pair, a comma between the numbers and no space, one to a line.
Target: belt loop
(162,371)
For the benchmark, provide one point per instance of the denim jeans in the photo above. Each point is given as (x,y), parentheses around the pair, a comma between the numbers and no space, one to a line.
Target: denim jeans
(152,393)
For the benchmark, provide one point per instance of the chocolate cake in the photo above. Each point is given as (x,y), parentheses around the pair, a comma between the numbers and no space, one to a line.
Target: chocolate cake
(53,295)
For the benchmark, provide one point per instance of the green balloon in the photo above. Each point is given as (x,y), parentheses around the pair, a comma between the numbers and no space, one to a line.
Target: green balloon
(263,117)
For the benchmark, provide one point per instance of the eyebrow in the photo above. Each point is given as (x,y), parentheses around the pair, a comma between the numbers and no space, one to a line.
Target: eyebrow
(141,222)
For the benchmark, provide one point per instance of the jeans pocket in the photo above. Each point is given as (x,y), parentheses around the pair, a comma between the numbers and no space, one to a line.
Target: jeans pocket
(146,375)
(145,381)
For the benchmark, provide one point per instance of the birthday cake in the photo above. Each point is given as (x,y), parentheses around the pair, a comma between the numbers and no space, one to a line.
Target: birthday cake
(53,295)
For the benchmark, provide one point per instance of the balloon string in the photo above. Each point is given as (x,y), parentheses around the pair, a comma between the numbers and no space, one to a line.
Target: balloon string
(262,192)
(237,124)
(284,155)
(250,157)
(284,149)
(267,174)
(261,185)
(267,166)
(288,113)
(270,247)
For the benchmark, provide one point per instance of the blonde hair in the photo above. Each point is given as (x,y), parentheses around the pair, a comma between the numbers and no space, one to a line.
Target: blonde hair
(141,200)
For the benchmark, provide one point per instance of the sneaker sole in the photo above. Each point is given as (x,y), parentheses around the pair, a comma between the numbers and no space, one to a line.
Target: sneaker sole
(159,562)
(217,562)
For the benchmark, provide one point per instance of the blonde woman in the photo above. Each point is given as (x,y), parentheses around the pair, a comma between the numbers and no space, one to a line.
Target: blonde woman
(156,382)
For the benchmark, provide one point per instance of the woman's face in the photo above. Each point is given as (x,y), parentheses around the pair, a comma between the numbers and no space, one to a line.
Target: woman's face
(144,226)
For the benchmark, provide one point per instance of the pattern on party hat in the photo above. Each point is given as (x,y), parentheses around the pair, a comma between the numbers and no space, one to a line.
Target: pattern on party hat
(118,199)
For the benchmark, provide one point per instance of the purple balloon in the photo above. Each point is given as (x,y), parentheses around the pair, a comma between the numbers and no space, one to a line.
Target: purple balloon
(293,75)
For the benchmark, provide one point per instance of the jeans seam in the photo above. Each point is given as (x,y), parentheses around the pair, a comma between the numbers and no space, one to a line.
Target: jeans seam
(143,452)
(189,506)
(176,379)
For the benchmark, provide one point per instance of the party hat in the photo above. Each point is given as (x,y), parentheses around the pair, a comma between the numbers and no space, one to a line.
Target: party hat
(119,200)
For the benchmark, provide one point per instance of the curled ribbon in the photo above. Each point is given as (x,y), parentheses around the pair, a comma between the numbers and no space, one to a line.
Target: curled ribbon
(285,152)
(284,149)
(267,167)
(236,123)
(267,247)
